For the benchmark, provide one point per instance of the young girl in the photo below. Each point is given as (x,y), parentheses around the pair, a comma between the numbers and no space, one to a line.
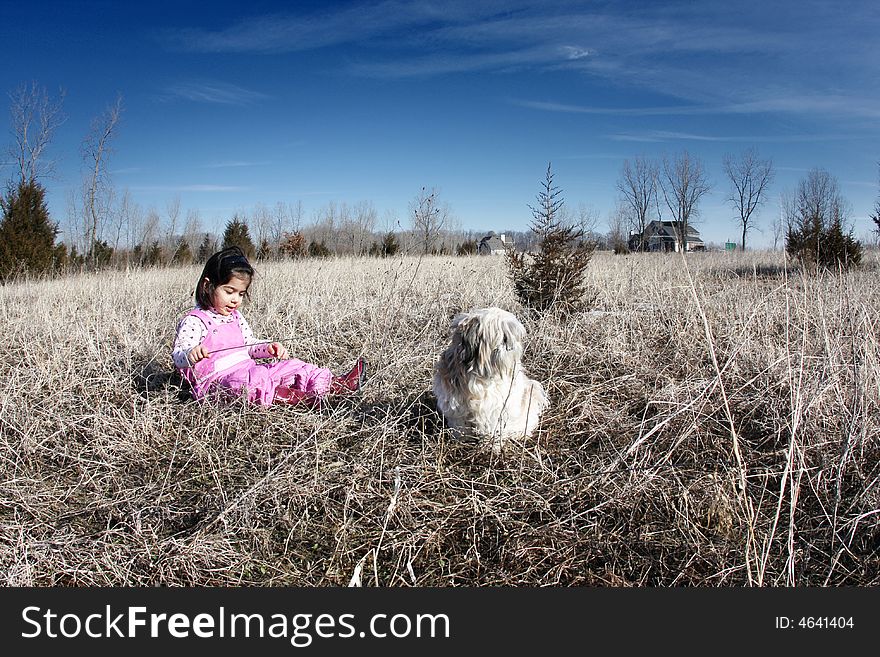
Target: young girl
(215,348)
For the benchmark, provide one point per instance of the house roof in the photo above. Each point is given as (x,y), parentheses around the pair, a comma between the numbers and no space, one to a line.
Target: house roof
(492,242)
(668,229)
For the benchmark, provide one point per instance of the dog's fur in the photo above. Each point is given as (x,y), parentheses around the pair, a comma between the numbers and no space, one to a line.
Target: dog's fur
(479,382)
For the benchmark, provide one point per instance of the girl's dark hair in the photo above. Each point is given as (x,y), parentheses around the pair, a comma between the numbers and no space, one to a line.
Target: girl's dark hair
(219,270)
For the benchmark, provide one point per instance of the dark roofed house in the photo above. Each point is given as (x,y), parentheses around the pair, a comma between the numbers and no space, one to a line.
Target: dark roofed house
(493,244)
(663,236)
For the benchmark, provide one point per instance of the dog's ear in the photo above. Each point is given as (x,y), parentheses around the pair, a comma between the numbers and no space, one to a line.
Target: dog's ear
(513,333)
(466,327)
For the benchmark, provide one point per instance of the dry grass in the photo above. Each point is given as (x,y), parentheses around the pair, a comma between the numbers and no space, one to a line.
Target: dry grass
(712,426)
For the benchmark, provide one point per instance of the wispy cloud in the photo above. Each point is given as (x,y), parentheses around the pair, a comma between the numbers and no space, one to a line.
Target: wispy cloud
(291,32)
(461,62)
(860,183)
(669,135)
(190,188)
(663,135)
(575,52)
(213,92)
(231,164)
(550,106)
(838,105)
(745,58)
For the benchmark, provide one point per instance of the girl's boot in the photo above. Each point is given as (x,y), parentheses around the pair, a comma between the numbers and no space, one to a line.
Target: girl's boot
(351,382)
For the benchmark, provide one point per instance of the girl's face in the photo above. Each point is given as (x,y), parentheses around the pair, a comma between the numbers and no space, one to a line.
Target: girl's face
(230,295)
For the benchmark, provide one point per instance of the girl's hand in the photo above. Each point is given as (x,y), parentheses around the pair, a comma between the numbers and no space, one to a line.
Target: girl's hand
(197,353)
(277,350)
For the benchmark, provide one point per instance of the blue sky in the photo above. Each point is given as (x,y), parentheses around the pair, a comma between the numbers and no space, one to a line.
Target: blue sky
(230,105)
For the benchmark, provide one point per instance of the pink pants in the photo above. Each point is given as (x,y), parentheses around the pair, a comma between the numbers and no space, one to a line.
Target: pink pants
(231,371)
(262,382)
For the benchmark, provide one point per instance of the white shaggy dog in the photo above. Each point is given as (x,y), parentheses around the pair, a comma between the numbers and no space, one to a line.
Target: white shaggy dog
(479,382)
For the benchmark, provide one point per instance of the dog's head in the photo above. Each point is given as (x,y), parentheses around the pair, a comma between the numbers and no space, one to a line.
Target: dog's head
(487,341)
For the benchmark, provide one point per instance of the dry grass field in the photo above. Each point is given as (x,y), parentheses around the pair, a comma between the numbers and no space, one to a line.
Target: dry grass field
(710,425)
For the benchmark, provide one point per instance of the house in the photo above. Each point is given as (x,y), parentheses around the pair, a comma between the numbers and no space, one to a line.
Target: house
(493,244)
(663,236)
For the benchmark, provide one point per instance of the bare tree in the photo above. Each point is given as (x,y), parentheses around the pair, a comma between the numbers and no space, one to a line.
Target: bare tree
(683,184)
(131,216)
(73,232)
(192,229)
(619,222)
(777,226)
(365,218)
(172,211)
(325,227)
(390,222)
(429,217)
(587,221)
(34,119)
(121,217)
(285,218)
(750,177)
(638,188)
(98,192)
(148,234)
(346,230)
(261,221)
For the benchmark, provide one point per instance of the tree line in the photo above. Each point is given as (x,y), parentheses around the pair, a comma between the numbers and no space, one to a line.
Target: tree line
(109,229)
(814,218)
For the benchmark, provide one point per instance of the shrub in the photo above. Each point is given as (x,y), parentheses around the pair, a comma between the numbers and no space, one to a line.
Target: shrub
(467,248)
(318,249)
(101,253)
(182,253)
(553,278)
(265,250)
(293,245)
(206,248)
(27,234)
(237,234)
(387,247)
(815,235)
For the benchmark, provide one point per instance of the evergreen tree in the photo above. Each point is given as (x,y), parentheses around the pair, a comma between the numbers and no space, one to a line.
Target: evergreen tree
(153,256)
(815,233)
(387,247)
(206,248)
(76,259)
(468,247)
(61,259)
(182,253)
(318,249)
(554,276)
(265,251)
(137,255)
(840,250)
(27,234)
(100,254)
(237,234)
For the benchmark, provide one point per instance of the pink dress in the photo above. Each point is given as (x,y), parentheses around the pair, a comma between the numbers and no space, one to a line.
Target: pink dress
(235,372)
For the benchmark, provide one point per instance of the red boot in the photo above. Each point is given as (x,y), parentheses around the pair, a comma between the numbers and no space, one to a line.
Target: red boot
(351,382)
